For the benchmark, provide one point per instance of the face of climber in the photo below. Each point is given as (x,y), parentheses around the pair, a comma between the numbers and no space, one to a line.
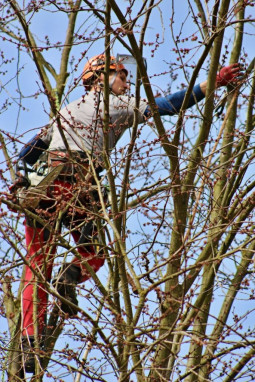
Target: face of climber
(120,84)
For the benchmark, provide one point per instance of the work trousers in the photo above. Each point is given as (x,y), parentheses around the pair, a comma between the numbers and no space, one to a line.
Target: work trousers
(41,250)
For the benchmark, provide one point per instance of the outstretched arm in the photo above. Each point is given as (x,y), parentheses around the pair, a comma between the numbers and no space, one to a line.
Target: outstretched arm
(171,104)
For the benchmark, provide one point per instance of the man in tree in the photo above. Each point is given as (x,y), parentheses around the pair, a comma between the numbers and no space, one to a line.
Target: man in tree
(74,142)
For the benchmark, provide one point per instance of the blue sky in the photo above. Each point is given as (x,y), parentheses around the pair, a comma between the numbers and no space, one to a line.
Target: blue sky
(18,121)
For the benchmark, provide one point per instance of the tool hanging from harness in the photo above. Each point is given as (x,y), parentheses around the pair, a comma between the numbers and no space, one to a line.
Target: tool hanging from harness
(51,165)
(37,182)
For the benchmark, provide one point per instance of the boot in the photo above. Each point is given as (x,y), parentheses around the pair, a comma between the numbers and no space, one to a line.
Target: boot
(69,276)
(28,351)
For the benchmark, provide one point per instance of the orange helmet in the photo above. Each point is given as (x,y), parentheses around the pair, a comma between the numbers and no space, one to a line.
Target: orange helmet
(97,64)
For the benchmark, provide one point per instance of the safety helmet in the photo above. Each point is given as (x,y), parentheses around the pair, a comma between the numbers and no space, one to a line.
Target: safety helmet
(97,64)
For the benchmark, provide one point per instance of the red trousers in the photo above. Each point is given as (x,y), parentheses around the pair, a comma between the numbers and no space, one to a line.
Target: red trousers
(40,256)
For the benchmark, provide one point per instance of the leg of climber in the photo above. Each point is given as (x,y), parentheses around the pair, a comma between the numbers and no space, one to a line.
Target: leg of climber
(74,273)
(40,254)
(34,296)
(88,254)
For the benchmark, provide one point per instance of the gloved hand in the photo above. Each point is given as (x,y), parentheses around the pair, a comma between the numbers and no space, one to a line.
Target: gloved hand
(229,75)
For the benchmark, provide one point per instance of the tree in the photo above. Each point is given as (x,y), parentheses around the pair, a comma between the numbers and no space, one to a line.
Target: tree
(178,232)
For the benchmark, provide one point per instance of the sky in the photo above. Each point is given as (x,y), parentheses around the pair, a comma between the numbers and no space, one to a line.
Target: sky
(24,123)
